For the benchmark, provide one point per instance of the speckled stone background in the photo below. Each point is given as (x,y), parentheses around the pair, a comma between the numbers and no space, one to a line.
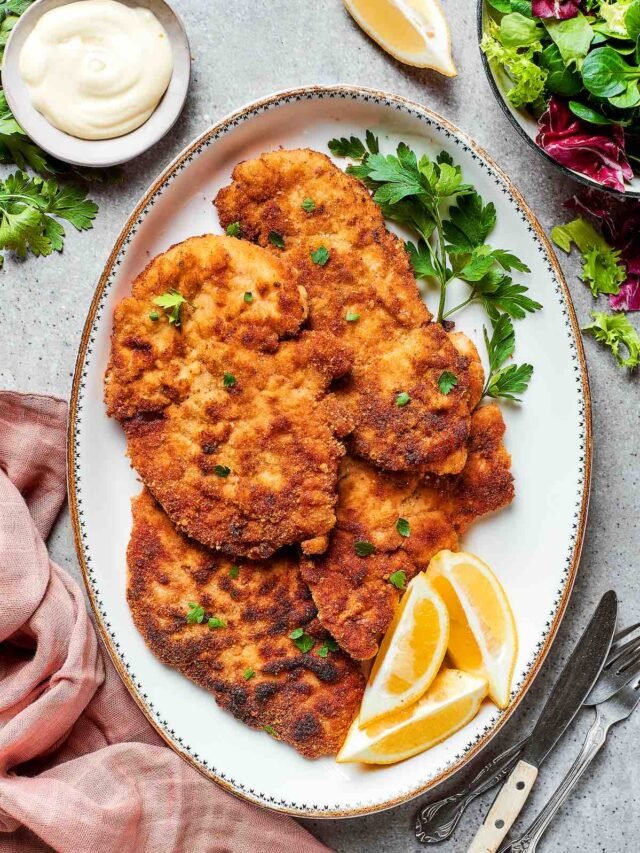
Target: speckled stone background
(246,49)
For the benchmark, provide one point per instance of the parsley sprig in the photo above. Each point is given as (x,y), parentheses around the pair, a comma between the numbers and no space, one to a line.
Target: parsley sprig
(504,380)
(452,223)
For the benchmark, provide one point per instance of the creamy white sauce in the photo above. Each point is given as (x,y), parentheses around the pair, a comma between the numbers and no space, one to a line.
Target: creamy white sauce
(97,68)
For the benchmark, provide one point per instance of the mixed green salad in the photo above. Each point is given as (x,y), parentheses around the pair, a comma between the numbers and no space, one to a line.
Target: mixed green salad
(575,66)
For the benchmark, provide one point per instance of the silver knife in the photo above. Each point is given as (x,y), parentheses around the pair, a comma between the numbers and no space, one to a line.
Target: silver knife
(570,690)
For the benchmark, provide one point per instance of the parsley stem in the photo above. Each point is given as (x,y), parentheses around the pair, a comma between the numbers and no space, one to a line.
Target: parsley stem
(458,307)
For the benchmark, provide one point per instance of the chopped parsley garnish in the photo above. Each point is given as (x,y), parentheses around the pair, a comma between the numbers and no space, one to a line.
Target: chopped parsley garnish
(195,614)
(398,579)
(248,673)
(364,548)
(221,470)
(320,256)
(352,316)
(270,731)
(329,645)
(228,380)
(248,297)
(153,315)
(308,205)
(403,527)
(402,399)
(234,571)
(276,239)
(215,622)
(447,382)
(233,229)
(302,640)
(171,302)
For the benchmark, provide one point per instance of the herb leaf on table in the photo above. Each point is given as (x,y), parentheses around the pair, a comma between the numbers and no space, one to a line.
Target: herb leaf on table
(616,332)
(602,268)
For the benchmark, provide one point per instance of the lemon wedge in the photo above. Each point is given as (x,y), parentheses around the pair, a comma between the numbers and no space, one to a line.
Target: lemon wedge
(412,31)
(482,637)
(410,654)
(452,701)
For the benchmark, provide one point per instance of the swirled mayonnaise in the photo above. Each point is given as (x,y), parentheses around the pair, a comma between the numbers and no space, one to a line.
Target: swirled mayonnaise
(97,68)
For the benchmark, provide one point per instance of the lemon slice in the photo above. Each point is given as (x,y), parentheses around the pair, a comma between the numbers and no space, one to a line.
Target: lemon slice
(410,653)
(450,703)
(482,638)
(413,31)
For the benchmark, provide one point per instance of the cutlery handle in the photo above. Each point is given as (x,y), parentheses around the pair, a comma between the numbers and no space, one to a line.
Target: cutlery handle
(506,808)
(593,743)
(436,821)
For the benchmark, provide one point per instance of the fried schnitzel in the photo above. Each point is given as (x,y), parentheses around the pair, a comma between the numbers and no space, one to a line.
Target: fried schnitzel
(249,662)
(353,594)
(227,424)
(362,290)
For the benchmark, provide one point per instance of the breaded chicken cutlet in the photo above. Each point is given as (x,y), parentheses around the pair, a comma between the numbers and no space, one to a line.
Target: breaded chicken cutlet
(249,662)
(354,596)
(365,294)
(227,422)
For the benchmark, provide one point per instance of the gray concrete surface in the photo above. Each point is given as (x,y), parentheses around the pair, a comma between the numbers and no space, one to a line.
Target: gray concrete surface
(243,50)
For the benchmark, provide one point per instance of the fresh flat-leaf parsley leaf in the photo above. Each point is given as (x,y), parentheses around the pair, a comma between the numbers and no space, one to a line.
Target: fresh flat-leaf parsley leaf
(364,548)
(30,210)
(352,316)
(216,622)
(616,332)
(195,614)
(248,296)
(403,527)
(276,239)
(320,256)
(398,579)
(248,673)
(308,205)
(234,571)
(504,380)
(171,302)
(221,470)
(402,399)
(233,229)
(154,316)
(447,381)
(228,380)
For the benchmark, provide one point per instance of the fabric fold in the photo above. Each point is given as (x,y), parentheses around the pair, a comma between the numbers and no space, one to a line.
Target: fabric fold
(81,769)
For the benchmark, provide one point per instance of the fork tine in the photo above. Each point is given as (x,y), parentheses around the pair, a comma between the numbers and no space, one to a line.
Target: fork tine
(624,633)
(628,662)
(618,652)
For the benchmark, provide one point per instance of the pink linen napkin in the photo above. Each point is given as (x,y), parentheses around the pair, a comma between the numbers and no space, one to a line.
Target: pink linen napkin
(81,769)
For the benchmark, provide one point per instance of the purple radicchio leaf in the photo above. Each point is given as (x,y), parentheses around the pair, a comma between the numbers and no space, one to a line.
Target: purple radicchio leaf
(619,221)
(573,143)
(561,9)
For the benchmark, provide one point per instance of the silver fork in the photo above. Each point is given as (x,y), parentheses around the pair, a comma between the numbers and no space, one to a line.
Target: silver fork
(620,706)
(436,821)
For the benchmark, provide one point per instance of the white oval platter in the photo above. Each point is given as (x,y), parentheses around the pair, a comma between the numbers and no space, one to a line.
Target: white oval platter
(534,545)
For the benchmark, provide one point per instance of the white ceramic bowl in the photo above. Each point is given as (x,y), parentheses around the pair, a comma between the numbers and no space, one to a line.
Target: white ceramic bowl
(524,122)
(97,152)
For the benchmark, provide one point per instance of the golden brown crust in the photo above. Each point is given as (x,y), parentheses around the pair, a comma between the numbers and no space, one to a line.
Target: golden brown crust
(354,597)
(396,348)
(309,701)
(274,428)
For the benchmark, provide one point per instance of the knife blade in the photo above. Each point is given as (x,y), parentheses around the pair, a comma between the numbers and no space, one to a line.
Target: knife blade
(573,685)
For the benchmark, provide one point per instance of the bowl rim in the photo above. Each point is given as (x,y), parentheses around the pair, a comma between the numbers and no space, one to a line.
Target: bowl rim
(97,153)
(628,193)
